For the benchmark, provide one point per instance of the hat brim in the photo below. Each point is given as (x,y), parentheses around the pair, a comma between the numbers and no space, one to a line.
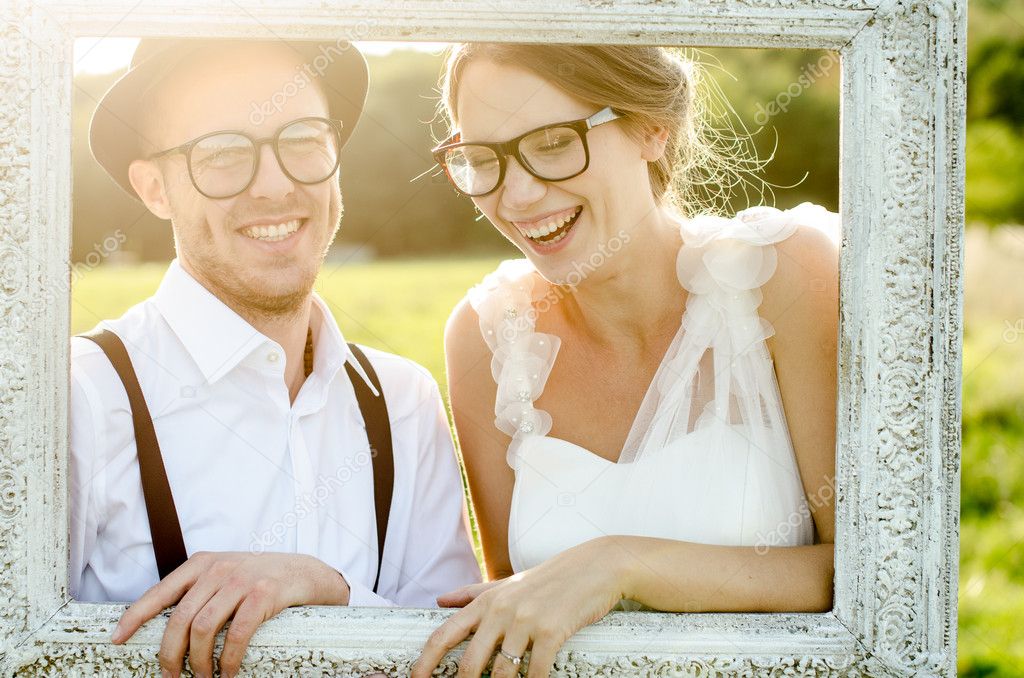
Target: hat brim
(114,132)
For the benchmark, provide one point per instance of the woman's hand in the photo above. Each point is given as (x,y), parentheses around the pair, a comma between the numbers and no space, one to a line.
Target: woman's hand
(539,608)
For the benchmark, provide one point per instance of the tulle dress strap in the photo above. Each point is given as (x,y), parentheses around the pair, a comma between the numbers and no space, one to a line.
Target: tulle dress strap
(522,358)
(718,369)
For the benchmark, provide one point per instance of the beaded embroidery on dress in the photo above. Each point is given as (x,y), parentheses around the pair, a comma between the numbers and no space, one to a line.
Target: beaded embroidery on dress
(709,457)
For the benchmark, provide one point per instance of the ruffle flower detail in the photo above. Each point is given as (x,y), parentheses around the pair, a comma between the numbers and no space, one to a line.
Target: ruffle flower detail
(724,262)
(522,358)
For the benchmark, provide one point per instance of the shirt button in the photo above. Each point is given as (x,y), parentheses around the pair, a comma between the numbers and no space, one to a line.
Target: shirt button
(272,357)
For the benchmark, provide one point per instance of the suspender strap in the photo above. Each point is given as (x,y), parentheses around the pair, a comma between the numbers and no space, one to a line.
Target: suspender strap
(378,432)
(168,544)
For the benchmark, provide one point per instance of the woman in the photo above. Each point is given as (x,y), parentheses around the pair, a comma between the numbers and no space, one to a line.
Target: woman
(654,458)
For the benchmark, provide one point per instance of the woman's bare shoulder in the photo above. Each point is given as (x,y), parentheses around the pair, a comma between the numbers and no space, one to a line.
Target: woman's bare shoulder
(805,287)
(467,355)
(802,302)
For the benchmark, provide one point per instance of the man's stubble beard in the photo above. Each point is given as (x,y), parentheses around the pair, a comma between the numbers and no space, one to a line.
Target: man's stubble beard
(245,298)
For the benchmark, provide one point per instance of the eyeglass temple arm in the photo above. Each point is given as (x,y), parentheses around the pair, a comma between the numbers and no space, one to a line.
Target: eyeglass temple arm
(167,151)
(606,114)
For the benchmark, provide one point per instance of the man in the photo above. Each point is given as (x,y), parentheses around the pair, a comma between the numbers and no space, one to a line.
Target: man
(259,461)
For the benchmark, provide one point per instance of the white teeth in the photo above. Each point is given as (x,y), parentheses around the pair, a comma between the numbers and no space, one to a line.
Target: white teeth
(550,227)
(557,238)
(274,232)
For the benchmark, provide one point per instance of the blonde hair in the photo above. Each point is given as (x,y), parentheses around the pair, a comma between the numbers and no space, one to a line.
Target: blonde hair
(652,87)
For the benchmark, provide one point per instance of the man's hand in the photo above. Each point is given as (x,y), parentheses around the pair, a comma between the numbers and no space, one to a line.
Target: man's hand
(211,588)
(467,594)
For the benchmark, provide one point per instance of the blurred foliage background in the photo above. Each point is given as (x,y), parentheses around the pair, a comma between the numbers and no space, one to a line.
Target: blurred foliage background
(430,249)
(389,212)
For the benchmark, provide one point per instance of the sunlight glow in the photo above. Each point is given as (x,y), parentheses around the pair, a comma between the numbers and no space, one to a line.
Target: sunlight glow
(104,55)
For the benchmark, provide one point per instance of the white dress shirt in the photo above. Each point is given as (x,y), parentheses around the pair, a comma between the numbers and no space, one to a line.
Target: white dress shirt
(251,471)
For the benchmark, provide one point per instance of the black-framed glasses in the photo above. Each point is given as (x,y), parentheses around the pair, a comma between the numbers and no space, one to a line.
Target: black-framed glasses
(554,152)
(223,164)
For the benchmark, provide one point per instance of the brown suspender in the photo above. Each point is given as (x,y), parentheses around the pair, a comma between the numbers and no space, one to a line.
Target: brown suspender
(168,544)
(378,432)
(164,526)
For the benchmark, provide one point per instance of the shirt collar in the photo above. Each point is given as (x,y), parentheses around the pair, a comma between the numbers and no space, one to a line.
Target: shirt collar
(331,343)
(218,339)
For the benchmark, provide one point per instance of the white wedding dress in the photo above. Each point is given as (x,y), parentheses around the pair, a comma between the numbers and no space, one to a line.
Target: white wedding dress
(709,457)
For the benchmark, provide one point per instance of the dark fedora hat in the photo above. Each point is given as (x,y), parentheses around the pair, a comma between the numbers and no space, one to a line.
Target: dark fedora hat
(338,67)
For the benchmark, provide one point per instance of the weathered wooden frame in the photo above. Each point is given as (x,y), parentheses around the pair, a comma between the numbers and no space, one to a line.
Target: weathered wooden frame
(898,448)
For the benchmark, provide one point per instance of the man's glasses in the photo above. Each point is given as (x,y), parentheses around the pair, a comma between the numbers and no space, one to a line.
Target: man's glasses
(224,164)
(553,152)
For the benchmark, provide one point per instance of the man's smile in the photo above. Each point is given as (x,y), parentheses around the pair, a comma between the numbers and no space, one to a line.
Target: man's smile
(273,232)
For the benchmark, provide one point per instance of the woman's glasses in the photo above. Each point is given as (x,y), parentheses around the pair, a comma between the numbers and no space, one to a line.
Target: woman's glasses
(553,152)
(224,164)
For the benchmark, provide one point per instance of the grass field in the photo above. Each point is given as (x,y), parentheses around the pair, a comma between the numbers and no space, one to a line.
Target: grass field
(401,306)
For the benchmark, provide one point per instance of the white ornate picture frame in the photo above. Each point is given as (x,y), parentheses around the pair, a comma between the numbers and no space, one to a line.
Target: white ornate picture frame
(898,440)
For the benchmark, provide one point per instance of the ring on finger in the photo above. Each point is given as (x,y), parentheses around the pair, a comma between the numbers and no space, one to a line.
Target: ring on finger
(516,661)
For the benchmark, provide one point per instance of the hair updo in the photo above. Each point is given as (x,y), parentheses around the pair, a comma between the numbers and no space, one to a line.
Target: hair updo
(652,87)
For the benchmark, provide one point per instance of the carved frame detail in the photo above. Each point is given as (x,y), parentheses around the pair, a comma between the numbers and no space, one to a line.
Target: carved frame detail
(898,447)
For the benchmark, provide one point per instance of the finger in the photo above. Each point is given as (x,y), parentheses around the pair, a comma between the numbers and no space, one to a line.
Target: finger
(542,657)
(444,638)
(479,650)
(207,624)
(255,609)
(159,597)
(174,644)
(515,643)
(463,596)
